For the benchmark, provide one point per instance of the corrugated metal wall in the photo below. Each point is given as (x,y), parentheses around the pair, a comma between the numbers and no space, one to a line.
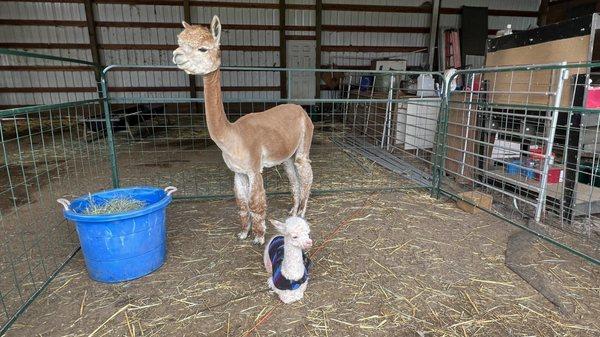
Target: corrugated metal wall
(396,23)
(144,32)
(33,85)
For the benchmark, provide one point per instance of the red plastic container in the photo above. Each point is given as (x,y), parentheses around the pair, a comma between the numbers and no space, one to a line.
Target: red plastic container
(593,98)
(555,175)
(538,153)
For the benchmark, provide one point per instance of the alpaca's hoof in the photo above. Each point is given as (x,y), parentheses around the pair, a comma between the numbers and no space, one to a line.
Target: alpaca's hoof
(259,240)
(242,235)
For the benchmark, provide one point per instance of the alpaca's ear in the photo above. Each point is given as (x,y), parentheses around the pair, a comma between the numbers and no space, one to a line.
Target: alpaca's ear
(186,25)
(280,226)
(215,29)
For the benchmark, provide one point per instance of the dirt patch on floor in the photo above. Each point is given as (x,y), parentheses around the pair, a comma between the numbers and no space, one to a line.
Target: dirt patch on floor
(400,264)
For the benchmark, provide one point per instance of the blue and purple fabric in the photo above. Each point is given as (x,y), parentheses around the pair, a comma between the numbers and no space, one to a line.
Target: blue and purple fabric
(276,256)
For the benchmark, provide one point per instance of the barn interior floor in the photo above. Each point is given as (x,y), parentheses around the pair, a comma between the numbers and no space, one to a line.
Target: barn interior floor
(37,238)
(386,263)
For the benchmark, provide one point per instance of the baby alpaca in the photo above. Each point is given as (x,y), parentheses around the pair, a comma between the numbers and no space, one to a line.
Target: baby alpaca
(285,259)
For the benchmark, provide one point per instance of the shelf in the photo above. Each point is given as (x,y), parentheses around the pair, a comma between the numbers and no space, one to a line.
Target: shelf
(587,197)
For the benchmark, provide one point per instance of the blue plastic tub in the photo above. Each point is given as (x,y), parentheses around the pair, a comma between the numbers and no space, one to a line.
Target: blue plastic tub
(124,246)
(514,167)
(528,169)
(528,173)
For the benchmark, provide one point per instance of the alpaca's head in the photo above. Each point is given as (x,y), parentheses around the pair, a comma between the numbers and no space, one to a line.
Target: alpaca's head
(295,231)
(198,52)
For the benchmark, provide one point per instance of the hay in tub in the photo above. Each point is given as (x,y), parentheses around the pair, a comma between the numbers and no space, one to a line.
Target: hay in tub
(113,206)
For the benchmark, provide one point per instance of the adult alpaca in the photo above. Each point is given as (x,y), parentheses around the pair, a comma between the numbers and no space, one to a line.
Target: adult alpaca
(281,135)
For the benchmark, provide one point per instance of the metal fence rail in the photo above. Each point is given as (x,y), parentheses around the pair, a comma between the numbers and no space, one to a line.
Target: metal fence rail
(360,121)
(43,154)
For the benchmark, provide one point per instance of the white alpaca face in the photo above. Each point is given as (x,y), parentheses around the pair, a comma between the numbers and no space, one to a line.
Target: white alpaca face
(296,232)
(300,239)
(198,52)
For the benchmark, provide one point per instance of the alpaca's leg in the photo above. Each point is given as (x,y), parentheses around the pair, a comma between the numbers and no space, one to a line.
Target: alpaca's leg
(306,179)
(290,170)
(302,163)
(242,190)
(290,296)
(286,297)
(298,294)
(258,207)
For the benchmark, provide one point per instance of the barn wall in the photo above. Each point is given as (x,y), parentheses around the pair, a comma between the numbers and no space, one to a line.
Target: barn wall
(144,32)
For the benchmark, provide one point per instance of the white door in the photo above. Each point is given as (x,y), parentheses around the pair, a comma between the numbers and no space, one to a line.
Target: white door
(301,54)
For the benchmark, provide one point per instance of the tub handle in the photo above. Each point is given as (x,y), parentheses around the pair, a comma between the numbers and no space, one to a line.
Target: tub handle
(170,190)
(64,202)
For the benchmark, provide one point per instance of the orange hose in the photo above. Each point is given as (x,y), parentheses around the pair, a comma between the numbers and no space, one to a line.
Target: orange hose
(261,320)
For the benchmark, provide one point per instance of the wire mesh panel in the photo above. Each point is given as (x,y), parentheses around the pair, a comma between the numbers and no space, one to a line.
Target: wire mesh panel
(164,138)
(396,116)
(517,134)
(44,155)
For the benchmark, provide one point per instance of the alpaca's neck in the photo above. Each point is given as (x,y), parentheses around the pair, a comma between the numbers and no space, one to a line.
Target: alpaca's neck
(216,120)
(292,266)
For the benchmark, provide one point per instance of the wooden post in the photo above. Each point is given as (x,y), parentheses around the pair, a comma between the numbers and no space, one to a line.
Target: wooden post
(91,27)
(435,16)
(282,50)
(542,13)
(187,16)
(318,22)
